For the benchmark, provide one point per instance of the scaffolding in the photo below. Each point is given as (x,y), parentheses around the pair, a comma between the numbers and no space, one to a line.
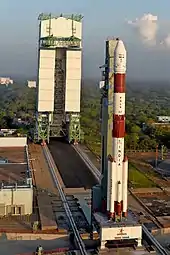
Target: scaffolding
(48,16)
(107,112)
(57,128)
(60,42)
(42,127)
(74,132)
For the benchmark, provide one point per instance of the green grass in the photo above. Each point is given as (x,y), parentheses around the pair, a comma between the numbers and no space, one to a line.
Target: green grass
(139,180)
(94,146)
(136,178)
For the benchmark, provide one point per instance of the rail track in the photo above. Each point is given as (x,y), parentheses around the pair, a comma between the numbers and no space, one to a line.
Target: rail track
(52,168)
(97,174)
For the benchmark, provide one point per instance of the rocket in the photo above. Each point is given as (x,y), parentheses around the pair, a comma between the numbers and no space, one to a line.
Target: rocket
(117,182)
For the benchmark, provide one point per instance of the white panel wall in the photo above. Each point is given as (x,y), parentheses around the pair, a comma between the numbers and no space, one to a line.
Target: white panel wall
(61,27)
(73,81)
(18,197)
(46,80)
(47,74)
(13,141)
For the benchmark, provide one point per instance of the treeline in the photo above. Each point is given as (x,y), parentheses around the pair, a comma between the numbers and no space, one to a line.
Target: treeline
(142,108)
(16,101)
(143,105)
(90,111)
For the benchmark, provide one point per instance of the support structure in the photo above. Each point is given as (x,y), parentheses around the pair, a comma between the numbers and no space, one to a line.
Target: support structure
(59,77)
(107,114)
(42,127)
(74,129)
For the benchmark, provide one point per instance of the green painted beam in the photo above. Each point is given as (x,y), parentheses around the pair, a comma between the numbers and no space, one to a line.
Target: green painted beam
(46,16)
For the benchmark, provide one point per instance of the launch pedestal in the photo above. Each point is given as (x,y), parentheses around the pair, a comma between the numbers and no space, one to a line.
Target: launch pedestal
(118,233)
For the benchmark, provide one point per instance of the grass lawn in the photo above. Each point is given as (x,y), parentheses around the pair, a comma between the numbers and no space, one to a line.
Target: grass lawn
(139,180)
(94,146)
(136,178)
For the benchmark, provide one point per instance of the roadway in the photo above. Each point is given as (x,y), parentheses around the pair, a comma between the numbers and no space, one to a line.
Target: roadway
(73,170)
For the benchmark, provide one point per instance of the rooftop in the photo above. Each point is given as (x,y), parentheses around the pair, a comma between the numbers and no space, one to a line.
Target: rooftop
(13,165)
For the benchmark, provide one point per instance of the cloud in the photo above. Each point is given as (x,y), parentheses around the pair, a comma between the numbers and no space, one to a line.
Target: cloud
(149,28)
(166,41)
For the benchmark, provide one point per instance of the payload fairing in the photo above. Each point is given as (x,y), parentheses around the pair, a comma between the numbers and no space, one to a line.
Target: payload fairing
(117,162)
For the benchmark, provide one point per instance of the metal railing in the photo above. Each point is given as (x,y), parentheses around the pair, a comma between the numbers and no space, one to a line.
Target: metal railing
(52,168)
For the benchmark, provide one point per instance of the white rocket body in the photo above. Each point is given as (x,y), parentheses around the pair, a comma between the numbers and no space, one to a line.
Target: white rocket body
(118,163)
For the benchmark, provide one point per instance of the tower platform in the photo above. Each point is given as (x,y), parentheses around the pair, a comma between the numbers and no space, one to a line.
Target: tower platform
(120,233)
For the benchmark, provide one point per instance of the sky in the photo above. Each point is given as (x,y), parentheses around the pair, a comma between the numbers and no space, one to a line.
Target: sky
(143,25)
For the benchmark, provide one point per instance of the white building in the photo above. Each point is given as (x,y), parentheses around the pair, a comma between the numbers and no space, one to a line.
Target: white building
(31,84)
(16,197)
(6,81)
(59,77)
(13,202)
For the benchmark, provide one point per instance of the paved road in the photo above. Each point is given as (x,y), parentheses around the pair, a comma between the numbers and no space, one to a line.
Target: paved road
(73,170)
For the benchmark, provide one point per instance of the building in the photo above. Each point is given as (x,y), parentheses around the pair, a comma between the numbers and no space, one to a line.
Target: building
(31,84)
(59,77)
(163,119)
(16,191)
(6,81)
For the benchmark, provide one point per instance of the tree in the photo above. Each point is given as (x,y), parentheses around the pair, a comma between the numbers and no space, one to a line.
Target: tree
(135,129)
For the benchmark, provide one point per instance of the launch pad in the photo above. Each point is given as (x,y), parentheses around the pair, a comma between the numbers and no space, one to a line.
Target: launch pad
(118,233)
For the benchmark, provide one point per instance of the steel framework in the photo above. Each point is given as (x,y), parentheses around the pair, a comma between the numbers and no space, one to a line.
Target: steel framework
(47,16)
(58,123)
(60,42)
(74,129)
(42,127)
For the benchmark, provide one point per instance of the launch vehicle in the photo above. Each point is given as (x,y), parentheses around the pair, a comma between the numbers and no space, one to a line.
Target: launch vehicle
(117,162)
(109,200)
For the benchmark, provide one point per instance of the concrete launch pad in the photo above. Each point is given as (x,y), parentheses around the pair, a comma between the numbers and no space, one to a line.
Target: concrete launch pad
(125,231)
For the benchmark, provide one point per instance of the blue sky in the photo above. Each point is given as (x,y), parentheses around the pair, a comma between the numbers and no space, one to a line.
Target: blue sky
(102,18)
